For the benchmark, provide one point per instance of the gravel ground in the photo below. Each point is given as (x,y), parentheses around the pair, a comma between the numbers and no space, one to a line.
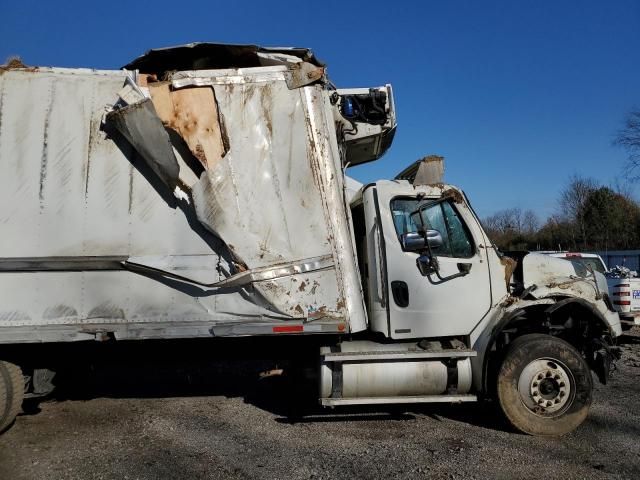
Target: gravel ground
(173,419)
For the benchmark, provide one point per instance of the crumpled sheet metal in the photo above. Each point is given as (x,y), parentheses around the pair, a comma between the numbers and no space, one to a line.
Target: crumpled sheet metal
(141,126)
(262,199)
(265,190)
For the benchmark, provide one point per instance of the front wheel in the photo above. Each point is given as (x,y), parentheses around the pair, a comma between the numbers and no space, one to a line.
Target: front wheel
(544,385)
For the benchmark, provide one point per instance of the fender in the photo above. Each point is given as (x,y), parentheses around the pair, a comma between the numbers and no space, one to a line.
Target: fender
(485,342)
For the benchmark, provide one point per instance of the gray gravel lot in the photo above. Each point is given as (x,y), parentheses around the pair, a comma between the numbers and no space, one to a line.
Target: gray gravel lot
(165,419)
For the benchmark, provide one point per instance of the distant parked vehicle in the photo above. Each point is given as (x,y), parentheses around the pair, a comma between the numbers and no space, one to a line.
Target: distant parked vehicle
(624,286)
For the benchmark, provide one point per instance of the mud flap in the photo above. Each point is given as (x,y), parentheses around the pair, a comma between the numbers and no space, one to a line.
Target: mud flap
(603,362)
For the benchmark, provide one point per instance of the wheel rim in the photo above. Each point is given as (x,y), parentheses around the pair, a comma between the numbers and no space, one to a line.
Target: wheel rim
(546,387)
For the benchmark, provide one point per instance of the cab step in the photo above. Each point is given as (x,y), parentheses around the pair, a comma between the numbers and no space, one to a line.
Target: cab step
(335,402)
(397,355)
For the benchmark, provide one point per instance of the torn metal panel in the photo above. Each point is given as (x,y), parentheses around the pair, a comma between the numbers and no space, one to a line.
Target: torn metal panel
(161,266)
(265,197)
(141,126)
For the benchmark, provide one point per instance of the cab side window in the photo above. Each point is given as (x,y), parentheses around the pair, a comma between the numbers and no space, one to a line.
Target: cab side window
(441,216)
(459,238)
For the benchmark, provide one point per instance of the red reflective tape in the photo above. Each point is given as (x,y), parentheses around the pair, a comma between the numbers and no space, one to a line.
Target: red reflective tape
(622,302)
(288,329)
(622,294)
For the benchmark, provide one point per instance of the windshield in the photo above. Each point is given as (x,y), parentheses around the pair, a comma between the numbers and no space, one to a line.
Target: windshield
(582,265)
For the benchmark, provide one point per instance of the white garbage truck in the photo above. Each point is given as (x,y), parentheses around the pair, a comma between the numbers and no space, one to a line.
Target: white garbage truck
(200,191)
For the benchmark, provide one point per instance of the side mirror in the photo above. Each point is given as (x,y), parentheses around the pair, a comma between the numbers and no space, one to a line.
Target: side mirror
(412,242)
(434,238)
(416,241)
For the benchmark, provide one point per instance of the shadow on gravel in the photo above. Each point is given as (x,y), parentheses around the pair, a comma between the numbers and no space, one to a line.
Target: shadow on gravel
(229,368)
(627,339)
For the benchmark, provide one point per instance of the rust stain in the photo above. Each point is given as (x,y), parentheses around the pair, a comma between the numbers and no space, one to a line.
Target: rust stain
(267,107)
(247,93)
(562,285)
(318,313)
(15,63)
(453,194)
(341,304)
(198,152)
(44,160)
(314,287)
(509,301)
(223,132)
(302,287)
(298,309)
(239,265)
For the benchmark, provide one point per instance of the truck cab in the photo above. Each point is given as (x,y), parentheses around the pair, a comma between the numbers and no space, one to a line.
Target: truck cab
(447,305)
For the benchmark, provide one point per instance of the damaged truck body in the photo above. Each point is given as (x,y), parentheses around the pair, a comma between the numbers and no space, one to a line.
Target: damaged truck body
(201,192)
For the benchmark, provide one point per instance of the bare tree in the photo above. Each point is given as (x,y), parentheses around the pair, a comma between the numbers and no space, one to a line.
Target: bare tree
(572,203)
(629,138)
(530,222)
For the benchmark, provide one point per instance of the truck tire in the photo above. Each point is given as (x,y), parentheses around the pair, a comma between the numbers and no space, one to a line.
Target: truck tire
(544,385)
(11,393)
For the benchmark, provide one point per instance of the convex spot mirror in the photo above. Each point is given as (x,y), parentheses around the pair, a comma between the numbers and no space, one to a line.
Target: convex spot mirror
(417,241)
(427,264)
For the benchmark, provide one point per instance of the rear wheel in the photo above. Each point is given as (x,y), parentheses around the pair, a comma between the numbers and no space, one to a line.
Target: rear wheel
(11,393)
(544,385)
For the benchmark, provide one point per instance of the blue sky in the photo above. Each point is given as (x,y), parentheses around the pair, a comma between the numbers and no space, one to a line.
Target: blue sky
(516,95)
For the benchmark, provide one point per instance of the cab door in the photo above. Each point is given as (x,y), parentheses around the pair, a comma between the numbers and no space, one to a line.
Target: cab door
(450,301)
